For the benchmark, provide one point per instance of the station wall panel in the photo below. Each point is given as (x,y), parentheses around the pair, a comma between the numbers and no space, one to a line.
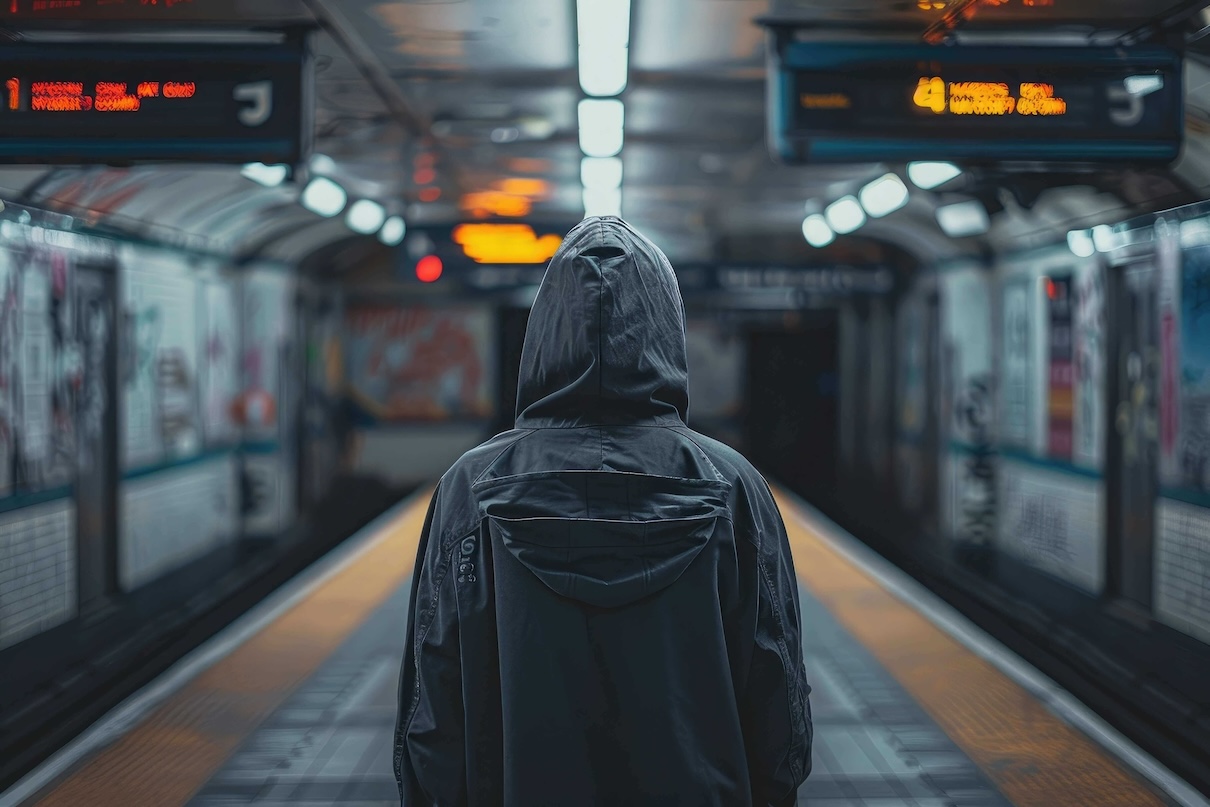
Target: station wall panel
(175,515)
(1182,572)
(1054,520)
(37,569)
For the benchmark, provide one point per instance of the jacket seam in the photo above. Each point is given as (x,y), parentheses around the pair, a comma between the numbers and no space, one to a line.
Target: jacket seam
(701,448)
(791,670)
(492,461)
(439,580)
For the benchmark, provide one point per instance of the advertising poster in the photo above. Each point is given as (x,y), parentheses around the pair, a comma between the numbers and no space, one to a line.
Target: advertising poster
(1194,414)
(1061,392)
(1169,267)
(1016,370)
(10,308)
(267,320)
(219,362)
(160,367)
(1089,349)
(412,363)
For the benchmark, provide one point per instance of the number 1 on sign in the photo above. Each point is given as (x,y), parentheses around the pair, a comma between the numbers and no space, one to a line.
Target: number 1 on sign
(14,93)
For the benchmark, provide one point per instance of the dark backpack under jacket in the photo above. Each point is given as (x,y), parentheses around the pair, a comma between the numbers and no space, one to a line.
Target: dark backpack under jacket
(604,610)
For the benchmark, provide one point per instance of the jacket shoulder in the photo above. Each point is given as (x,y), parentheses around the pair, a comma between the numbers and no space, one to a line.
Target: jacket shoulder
(454,489)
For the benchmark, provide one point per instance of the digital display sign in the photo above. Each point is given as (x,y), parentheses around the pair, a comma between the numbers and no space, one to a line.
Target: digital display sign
(92,103)
(866,102)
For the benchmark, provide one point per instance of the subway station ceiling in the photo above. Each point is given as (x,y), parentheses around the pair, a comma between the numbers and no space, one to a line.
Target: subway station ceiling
(448,110)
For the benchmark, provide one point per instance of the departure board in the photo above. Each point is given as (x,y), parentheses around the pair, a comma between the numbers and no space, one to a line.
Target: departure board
(89,103)
(877,101)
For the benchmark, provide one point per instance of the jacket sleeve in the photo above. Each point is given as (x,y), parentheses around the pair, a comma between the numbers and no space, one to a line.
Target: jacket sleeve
(777,709)
(429,735)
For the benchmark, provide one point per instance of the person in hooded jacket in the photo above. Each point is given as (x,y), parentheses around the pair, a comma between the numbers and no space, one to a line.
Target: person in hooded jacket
(604,610)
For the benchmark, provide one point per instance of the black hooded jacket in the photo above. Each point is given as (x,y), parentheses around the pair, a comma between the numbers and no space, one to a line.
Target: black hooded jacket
(604,610)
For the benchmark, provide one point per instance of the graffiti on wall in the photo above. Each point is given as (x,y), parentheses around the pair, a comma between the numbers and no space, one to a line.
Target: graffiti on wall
(975,500)
(40,371)
(1194,415)
(418,363)
(1089,367)
(1061,395)
(1017,366)
(160,343)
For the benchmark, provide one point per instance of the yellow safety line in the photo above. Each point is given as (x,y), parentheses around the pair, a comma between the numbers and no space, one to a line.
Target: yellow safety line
(168,757)
(1032,756)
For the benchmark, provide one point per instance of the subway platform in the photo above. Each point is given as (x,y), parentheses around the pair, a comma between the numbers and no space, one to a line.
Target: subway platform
(295,703)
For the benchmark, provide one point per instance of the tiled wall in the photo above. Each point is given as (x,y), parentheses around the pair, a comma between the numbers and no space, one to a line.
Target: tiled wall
(1182,571)
(37,569)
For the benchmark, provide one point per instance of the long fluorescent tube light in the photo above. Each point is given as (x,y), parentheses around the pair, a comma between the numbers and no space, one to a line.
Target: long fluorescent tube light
(605,21)
(324,197)
(844,215)
(884,195)
(601,122)
(602,202)
(928,175)
(603,173)
(963,219)
(816,230)
(392,231)
(365,216)
(603,68)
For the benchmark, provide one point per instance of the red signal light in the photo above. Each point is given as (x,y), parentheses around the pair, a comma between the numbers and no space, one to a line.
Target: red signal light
(1051,291)
(428,268)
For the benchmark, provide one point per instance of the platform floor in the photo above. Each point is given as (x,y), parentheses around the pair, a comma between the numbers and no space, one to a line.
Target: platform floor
(299,707)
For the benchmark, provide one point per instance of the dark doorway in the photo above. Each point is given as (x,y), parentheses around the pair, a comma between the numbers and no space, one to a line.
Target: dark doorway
(97,428)
(790,418)
(1133,451)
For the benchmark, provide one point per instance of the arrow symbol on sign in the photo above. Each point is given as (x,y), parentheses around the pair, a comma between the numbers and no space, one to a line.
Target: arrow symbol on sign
(259,95)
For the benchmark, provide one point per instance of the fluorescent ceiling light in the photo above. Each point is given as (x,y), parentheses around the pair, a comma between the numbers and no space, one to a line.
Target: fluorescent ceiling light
(602,202)
(268,175)
(603,68)
(323,164)
(816,230)
(884,195)
(606,21)
(365,216)
(963,219)
(1102,237)
(1080,243)
(929,175)
(603,173)
(324,197)
(601,123)
(392,231)
(1143,85)
(844,215)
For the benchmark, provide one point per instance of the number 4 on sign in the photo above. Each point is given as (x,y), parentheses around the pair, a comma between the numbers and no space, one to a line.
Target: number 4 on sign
(930,94)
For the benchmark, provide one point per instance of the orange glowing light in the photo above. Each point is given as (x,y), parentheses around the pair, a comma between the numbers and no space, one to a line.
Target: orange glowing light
(494,203)
(428,268)
(986,98)
(1050,288)
(523,186)
(14,93)
(149,89)
(179,89)
(505,243)
(431,194)
(424,176)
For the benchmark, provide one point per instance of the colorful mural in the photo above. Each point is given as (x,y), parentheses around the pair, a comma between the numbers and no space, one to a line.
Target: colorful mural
(418,363)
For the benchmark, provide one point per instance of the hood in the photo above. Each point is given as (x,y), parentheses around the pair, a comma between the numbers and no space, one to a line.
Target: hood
(605,341)
(605,538)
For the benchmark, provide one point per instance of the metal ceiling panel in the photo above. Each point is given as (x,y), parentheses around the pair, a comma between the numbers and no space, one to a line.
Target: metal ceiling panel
(467,35)
(697,35)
